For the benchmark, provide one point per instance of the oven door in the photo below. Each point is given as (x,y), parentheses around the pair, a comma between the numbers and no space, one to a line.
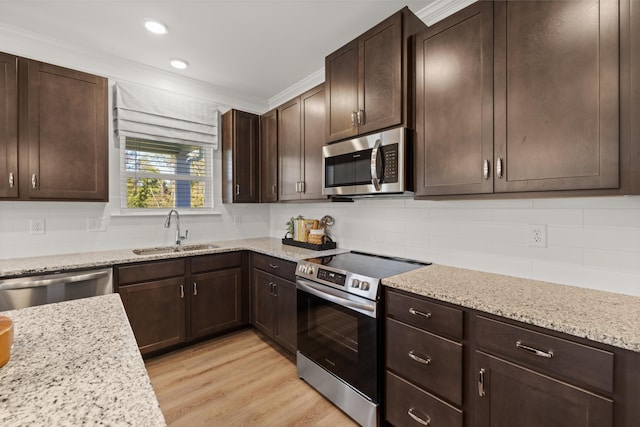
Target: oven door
(339,332)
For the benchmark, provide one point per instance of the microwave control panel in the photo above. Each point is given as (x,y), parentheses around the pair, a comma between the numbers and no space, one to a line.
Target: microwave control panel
(390,153)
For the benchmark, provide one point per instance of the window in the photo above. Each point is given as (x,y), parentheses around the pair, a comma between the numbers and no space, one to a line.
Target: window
(166,148)
(164,175)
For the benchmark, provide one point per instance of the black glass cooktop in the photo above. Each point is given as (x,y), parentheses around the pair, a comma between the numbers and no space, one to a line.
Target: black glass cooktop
(374,266)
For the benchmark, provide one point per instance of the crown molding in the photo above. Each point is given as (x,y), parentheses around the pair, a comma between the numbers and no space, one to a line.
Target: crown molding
(296,89)
(35,46)
(440,9)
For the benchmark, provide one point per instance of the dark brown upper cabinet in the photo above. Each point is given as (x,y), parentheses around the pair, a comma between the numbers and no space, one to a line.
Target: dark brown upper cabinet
(301,135)
(368,80)
(530,98)
(54,132)
(240,169)
(8,126)
(269,157)
(454,104)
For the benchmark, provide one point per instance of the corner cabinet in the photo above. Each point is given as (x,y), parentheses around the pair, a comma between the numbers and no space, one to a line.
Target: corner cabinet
(269,157)
(171,302)
(54,132)
(273,299)
(368,81)
(301,135)
(8,126)
(240,168)
(531,97)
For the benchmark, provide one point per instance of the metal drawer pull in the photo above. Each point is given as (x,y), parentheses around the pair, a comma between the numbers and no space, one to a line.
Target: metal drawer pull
(195,288)
(481,382)
(419,313)
(419,359)
(274,266)
(34,181)
(237,189)
(419,419)
(353,119)
(546,354)
(499,168)
(10,179)
(485,169)
(182,291)
(360,116)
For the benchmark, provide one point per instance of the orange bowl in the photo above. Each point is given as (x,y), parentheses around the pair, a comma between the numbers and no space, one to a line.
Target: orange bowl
(6,339)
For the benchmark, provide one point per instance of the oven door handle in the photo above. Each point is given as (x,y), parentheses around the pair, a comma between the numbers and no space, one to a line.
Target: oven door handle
(329,295)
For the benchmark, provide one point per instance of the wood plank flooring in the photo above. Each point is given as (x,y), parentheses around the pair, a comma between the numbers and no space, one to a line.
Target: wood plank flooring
(237,380)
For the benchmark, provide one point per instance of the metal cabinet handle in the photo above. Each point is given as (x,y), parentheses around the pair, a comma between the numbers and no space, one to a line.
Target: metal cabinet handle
(181,291)
(499,168)
(420,420)
(353,119)
(419,313)
(481,390)
(360,117)
(419,359)
(34,181)
(274,266)
(237,189)
(11,180)
(274,189)
(535,351)
(195,288)
(485,169)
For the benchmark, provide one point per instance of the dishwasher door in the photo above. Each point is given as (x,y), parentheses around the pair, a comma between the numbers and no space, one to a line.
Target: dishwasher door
(23,292)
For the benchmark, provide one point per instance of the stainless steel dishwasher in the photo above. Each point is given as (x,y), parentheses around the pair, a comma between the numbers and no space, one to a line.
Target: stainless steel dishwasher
(20,292)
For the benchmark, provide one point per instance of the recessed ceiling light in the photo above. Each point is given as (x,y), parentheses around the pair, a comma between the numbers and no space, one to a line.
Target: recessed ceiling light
(179,64)
(156,27)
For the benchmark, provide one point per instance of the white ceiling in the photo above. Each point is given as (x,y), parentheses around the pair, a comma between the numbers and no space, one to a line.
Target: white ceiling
(252,47)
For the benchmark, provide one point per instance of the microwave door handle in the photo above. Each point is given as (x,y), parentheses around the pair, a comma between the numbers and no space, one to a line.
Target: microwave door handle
(375,152)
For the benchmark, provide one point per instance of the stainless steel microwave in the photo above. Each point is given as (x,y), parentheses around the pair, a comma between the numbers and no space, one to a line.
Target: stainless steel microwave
(376,164)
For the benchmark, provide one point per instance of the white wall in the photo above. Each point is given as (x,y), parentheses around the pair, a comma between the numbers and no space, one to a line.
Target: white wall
(591,242)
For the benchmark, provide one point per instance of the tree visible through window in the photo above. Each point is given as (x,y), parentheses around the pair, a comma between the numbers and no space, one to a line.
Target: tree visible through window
(166,174)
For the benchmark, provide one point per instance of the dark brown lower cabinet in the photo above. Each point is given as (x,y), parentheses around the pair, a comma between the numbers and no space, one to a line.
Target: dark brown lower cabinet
(156,313)
(175,301)
(216,302)
(274,308)
(511,395)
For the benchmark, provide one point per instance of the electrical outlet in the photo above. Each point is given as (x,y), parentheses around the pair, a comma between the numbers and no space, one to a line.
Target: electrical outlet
(237,219)
(537,235)
(96,224)
(37,226)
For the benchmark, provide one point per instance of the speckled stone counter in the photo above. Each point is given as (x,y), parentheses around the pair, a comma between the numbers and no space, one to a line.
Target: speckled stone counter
(603,317)
(48,264)
(76,363)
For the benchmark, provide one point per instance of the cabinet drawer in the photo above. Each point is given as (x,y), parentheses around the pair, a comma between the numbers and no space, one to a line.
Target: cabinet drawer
(432,362)
(425,314)
(569,360)
(216,262)
(150,271)
(276,266)
(403,399)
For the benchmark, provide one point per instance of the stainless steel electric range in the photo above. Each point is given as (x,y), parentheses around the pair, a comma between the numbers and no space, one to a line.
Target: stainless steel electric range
(340,328)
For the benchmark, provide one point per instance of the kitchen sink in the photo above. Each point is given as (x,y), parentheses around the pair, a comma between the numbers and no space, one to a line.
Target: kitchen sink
(171,249)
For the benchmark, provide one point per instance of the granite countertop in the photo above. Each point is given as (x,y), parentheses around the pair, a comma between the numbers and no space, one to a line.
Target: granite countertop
(50,264)
(76,363)
(600,316)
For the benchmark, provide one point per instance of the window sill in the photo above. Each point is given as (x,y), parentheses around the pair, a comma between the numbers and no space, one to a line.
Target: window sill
(163,212)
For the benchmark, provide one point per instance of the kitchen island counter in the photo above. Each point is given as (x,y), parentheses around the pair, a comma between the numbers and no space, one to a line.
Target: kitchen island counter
(76,363)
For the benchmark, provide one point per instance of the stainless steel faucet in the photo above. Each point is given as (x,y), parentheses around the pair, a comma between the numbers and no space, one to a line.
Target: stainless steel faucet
(167,224)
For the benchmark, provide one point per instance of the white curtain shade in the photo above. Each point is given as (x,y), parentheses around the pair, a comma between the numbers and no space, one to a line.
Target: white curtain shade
(155,114)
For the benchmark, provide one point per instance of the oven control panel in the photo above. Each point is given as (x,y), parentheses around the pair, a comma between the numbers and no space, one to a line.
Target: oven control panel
(332,277)
(349,282)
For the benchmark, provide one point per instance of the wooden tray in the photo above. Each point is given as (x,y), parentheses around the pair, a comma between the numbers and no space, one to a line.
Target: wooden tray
(330,244)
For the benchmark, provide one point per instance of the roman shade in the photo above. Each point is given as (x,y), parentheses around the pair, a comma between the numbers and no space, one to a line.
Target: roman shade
(153,114)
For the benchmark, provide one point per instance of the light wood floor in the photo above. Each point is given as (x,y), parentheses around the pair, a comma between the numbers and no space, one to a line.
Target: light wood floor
(237,380)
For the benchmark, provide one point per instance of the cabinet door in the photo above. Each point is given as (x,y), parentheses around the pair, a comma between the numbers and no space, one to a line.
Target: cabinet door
(515,396)
(380,80)
(66,134)
(269,157)
(216,302)
(556,95)
(289,149)
(8,125)
(156,311)
(245,157)
(454,104)
(341,76)
(286,332)
(262,302)
(314,137)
